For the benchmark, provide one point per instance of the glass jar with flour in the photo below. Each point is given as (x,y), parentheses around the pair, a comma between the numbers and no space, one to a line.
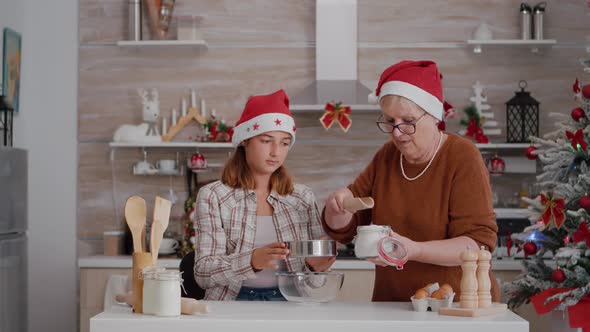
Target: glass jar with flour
(367,238)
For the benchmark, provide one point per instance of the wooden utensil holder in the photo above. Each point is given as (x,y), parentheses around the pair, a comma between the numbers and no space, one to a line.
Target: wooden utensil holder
(140,261)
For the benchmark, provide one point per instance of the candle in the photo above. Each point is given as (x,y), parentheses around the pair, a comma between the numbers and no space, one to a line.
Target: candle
(183,108)
(203,109)
(164,127)
(193,98)
(174,116)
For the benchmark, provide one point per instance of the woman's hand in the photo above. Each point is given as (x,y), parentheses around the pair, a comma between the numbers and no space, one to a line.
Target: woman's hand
(262,258)
(412,247)
(336,216)
(320,264)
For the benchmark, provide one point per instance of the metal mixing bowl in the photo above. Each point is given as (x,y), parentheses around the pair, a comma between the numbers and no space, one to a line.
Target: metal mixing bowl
(312,248)
(310,287)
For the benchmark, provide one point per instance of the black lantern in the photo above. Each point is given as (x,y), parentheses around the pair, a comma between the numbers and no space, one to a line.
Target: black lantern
(522,116)
(6,112)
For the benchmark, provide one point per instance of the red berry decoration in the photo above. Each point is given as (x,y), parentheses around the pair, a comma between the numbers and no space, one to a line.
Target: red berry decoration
(530,248)
(578,113)
(529,152)
(584,202)
(586,91)
(558,276)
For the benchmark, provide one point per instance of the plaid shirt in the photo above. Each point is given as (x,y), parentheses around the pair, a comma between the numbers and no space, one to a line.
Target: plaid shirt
(226,228)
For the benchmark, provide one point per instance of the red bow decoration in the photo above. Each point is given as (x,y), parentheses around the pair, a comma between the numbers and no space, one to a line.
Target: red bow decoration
(554,209)
(582,234)
(336,112)
(577,140)
(473,130)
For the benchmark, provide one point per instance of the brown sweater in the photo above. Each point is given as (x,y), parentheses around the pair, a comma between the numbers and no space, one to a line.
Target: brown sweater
(453,198)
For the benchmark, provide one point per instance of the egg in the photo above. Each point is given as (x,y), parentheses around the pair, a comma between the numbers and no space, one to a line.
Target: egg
(440,294)
(421,293)
(447,288)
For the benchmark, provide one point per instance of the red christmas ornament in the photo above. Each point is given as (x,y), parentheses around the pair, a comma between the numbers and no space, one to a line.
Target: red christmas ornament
(586,91)
(529,152)
(558,276)
(578,113)
(496,165)
(197,161)
(584,202)
(530,248)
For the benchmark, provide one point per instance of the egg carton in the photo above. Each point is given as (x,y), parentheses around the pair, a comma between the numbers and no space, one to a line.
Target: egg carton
(434,304)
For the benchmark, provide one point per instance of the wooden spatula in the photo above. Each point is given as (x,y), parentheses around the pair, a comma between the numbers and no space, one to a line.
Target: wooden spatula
(135,213)
(358,203)
(162,209)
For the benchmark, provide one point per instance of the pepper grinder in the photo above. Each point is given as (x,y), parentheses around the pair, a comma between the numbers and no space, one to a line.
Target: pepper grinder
(483,278)
(468,298)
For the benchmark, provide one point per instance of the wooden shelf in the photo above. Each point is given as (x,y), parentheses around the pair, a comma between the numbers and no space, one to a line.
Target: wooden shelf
(213,145)
(152,43)
(320,108)
(533,44)
(507,146)
(511,213)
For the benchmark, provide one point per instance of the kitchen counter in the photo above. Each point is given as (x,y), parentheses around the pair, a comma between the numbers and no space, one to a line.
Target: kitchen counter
(124,262)
(293,317)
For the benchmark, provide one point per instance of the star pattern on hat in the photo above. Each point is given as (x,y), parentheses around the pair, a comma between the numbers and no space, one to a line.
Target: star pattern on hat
(278,122)
(256,126)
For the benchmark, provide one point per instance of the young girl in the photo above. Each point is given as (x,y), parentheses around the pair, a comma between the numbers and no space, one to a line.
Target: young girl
(244,219)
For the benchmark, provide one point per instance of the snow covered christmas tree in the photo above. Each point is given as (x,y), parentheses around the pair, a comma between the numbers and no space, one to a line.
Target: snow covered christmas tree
(560,217)
(484,116)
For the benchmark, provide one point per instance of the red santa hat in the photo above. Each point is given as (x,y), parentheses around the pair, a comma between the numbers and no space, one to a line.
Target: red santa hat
(418,81)
(262,114)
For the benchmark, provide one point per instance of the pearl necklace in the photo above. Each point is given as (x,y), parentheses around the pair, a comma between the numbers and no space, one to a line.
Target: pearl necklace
(401,161)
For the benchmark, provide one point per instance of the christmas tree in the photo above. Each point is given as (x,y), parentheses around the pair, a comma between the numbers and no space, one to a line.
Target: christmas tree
(560,216)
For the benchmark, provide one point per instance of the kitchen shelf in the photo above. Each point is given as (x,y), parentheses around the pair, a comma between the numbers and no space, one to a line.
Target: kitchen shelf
(314,108)
(213,145)
(152,43)
(507,146)
(511,213)
(533,44)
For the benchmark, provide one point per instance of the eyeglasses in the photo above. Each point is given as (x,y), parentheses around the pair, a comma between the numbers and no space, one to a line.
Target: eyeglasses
(408,128)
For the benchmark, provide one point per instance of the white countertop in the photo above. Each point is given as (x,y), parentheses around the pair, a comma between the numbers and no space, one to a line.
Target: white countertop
(124,262)
(293,317)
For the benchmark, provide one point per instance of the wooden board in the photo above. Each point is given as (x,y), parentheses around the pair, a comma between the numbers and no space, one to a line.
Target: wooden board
(496,308)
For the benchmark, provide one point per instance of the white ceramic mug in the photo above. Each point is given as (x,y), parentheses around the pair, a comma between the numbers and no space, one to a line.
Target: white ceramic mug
(168,245)
(167,165)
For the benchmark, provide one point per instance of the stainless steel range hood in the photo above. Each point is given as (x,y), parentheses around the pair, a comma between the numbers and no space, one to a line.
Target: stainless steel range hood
(336,60)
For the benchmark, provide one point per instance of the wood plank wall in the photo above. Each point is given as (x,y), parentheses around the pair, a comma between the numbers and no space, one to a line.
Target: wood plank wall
(258,46)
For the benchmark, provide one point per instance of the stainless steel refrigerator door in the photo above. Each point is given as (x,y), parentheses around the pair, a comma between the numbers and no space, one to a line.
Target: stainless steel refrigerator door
(13,190)
(13,283)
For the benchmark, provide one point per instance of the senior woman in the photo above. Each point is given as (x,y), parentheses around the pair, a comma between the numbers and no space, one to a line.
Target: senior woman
(430,187)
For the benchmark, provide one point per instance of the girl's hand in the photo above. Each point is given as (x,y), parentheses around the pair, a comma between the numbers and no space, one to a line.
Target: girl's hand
(320,264)
(262,258)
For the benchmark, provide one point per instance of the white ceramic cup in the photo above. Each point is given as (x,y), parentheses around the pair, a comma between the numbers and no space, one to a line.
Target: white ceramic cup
(167,165)
(168,245)
(143,166)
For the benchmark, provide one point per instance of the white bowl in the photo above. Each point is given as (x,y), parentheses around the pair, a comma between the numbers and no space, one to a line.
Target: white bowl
(310,287)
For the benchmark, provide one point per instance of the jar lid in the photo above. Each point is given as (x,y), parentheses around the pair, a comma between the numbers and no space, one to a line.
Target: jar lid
(149,272)
(372,228)
(168,275)
(392,252)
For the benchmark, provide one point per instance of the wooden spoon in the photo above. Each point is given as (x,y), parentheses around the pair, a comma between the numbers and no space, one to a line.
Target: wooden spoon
(161,218)
(135,213)
(358,203)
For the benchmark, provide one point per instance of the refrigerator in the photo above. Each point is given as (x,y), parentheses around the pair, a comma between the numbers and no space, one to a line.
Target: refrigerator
(13,239)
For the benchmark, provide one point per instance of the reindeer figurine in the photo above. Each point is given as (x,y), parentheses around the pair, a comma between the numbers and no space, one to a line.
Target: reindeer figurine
(151,109)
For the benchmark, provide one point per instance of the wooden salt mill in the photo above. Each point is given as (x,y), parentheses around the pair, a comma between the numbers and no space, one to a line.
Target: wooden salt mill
(484,284)
(468,298)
